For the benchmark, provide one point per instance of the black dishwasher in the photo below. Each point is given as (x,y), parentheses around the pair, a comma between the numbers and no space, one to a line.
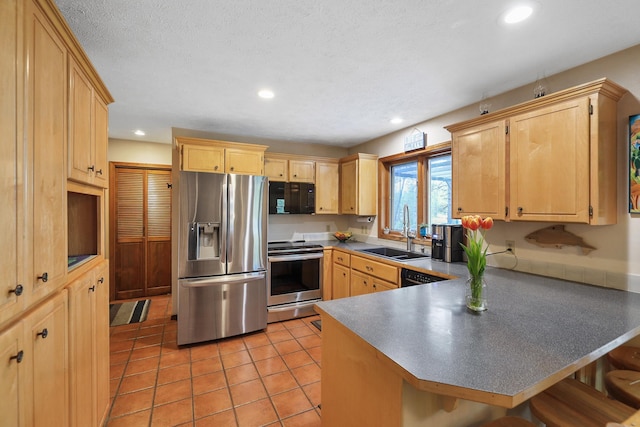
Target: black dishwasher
(412,278)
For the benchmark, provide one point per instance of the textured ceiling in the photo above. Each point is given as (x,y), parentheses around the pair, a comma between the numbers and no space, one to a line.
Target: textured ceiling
(340,69)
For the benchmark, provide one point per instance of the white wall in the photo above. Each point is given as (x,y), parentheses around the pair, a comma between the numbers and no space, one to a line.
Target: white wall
(122,150)
(616,262)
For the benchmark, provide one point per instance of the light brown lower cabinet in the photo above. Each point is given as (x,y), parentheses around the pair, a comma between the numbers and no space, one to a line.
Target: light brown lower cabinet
(89,346)
(34,380)
(341,278)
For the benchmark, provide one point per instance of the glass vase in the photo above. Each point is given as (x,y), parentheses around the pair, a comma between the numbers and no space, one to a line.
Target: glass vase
(476,294)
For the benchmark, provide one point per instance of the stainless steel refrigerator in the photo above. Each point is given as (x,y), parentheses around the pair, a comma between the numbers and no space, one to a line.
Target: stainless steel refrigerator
(222,252)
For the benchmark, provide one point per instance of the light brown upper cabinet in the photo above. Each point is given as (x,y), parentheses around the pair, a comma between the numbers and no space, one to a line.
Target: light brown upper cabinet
(88,130)
(289,168)
(276,168)
(549,162)
(302,171)
(359,184)
(479,184)
(46,136)
(203,155)
(560,162)
(12,214)
(327,183)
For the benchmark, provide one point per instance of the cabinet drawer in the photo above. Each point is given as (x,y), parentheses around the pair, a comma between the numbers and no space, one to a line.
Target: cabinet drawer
(375,268)
(341,258)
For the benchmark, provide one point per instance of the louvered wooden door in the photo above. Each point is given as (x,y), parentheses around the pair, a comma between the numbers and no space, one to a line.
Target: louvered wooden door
(141,231)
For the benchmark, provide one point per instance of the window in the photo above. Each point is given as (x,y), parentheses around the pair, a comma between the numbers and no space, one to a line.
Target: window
(421,181)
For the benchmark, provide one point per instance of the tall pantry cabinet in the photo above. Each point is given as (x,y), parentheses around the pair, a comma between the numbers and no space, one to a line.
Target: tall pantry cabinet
(43,208)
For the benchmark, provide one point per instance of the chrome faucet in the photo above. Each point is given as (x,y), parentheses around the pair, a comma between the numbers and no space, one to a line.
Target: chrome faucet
(406,229)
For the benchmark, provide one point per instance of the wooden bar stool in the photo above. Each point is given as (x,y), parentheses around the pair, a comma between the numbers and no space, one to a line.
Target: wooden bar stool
(625,357)
(624,386)
(509,422)
(571,403)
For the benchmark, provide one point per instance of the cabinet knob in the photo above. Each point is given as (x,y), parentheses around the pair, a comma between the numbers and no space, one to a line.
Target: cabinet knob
(44,333)
(101,280)
(320,207)
(520,210)
(91,168)
(18,357)
(44,277)
(344,274)
(459,209)
(93,288)
(169,185)
(215,168)
(231,168)
(99,172)
(18,290)
(365,282)
(295,175)
(281,174)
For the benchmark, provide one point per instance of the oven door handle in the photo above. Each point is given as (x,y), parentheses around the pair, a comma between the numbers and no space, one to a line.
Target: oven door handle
(301,257)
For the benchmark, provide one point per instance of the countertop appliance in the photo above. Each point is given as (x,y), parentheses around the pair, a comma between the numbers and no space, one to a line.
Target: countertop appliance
(412,278)
(292,198)
(445,242)
(222,255)
(294,282)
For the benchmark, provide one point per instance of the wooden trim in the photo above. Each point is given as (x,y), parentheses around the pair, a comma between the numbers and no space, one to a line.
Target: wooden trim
(286,156)
(215,142)
(602,86)
(430,150)
(56,19)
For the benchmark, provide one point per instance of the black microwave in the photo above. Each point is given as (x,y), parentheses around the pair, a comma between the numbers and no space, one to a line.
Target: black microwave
(292,198)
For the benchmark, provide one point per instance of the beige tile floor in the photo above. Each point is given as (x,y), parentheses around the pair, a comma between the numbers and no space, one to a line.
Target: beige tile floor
(267,378)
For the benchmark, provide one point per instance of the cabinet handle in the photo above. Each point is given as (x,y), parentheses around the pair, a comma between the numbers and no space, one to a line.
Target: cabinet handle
(99,171)
(369,268)
(91,168)
(44,277)
(101,280)
(18,290)
(18,357)
(93,288)
(44,333)
(169,185)
(339,258)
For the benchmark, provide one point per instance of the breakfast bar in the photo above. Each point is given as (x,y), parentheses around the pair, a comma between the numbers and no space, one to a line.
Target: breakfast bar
(417,357)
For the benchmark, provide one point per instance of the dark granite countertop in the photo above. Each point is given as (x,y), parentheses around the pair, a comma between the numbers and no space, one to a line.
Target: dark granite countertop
(537,330)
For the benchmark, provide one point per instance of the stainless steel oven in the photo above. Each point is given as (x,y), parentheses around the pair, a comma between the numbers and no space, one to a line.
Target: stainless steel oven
(294,281)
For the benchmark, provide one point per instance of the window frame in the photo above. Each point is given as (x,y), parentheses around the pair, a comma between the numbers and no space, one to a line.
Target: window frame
(422,156)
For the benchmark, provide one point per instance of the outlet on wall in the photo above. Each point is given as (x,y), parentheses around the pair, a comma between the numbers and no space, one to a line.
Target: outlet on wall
(511,245)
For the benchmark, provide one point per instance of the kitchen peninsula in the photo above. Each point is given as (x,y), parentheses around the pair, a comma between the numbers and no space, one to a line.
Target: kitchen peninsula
(416,357)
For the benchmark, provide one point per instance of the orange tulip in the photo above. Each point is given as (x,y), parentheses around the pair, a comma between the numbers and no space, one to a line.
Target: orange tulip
(487,223)
(473,223)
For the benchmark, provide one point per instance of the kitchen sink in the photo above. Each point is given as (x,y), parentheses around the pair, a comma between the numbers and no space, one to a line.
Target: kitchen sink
(397,254)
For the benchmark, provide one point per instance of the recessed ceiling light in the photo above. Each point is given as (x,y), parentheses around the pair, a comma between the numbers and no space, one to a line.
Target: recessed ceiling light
(140,132)
(517,14)
(396,120)
(266,94)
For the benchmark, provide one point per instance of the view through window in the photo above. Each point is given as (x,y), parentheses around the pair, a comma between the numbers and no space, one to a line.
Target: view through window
(423,184)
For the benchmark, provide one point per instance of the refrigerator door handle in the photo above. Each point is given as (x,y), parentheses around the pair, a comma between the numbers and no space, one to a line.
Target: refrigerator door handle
(236,278)
(224,202)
